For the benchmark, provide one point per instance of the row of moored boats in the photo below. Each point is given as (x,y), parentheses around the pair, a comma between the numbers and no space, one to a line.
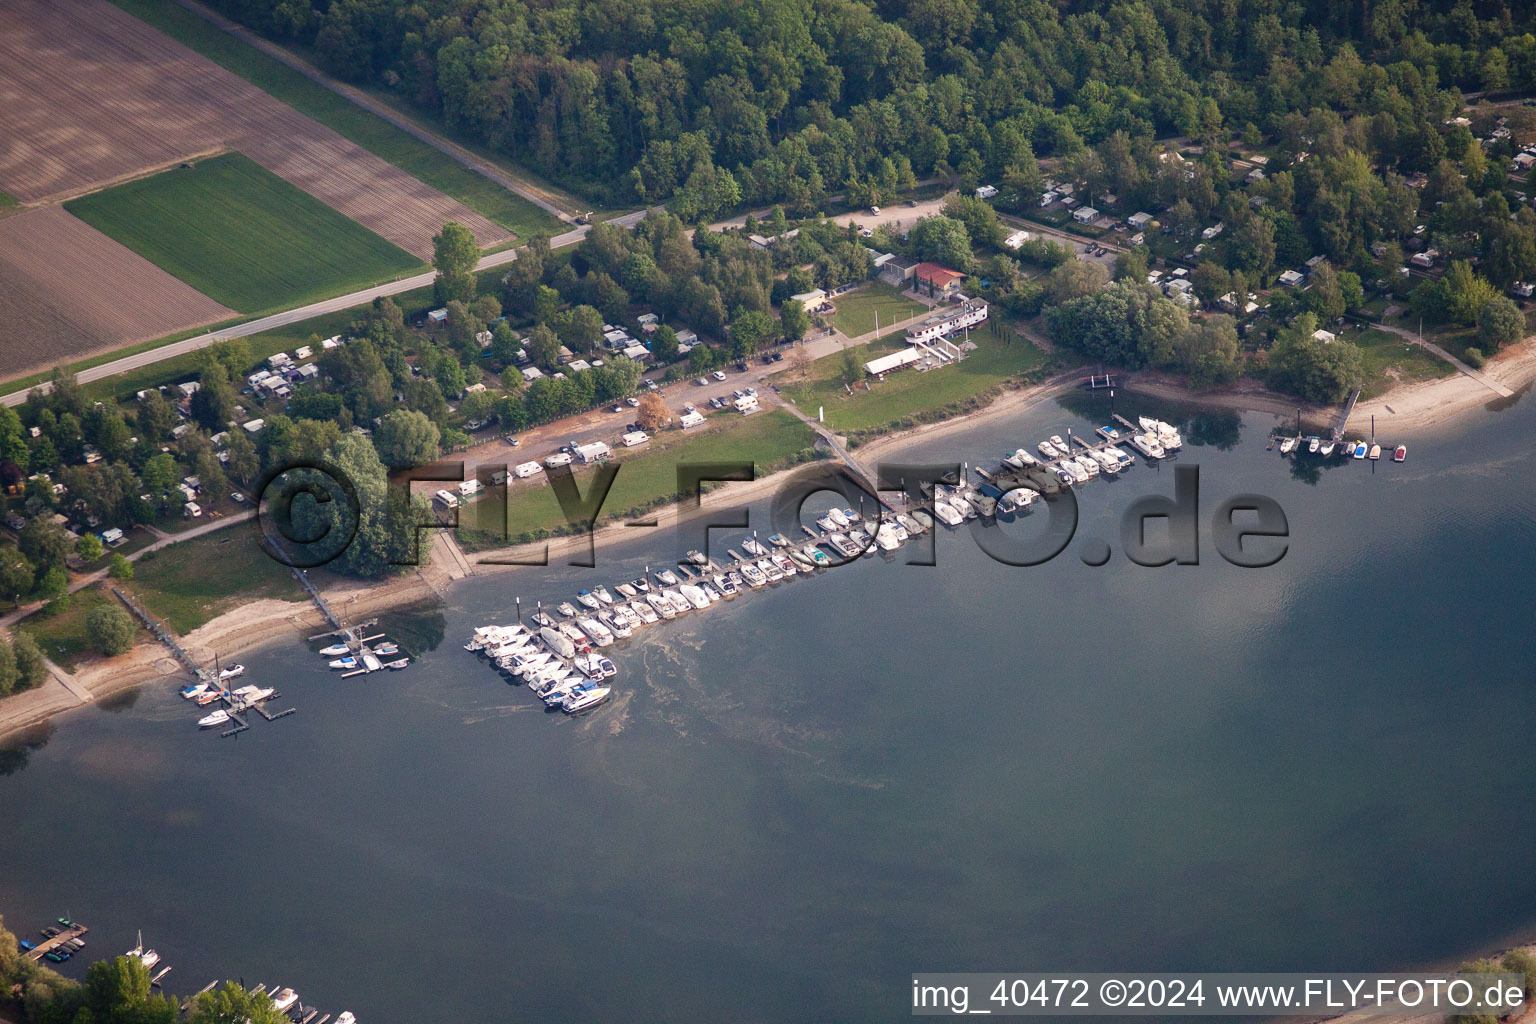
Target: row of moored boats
(1326,447)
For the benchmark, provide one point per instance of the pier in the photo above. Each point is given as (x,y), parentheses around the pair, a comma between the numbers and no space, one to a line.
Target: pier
(1343,420)
(165,637)
(41,950)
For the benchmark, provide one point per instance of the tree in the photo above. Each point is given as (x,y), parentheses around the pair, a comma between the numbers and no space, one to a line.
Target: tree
(544,348)
(54,584)
(852,369)
(664,344)
(31,666)
(454,255)
(1499,323)
(156,418)
(794,321)
(121,568)
(406,438)
(109,629)
(653,413)
(89,547)
(9,675)
(945,241)
(1073,280)
(1211,282)
(1322,372)
(449,375)
(749,330)
(233,1005)
(17,574)
(45,544)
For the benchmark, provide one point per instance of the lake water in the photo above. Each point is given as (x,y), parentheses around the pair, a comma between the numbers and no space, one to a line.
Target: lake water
(800,798)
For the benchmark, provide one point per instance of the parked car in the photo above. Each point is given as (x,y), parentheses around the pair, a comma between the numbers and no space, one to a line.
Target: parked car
(742,366)
(617,407)
(633,402)
(738,393)
(911,202)
(778,357)
(237,498)
(752,392)
(718,375)
(701,382)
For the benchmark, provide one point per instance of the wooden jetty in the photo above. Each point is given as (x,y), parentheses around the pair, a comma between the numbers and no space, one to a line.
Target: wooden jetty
(155,981)
(41,950)
(1343,420)
(187,1003)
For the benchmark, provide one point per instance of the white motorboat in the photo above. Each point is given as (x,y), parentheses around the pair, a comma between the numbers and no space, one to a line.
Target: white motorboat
(663,607)
(1090,466)
(947,514)
(586,700)
(1019,459)
(839,518)
(714,593)
(1313,444)
(194,691)
(641,585)
(1121,456)
(602,594)
(385,650)
(1065,476)
(348,662)
(1288,445)
(724,584)
(1326,448)
(827,524)
(1147,445)
(694,595)
(786,565)
(599,633)
(1375,452)
(346,1017)
(337,650)
(557,642)
(1107,462)
(886,538)
(371,663)
(588,599)
(817,556)
(566,608)
(1049,450)
(646,613)
(283,1001)
(752,547)
(1021,497)
(1061,445)
(626,591)
(616,623)
(754,577)
(680,604)
(233,672)
(768,569)
(219,717)
(1168,437)
(907,523)
(1072,466)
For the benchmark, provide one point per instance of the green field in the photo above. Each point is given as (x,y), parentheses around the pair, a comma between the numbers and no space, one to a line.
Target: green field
(340,114)
(243,236)
(908,392)
(187,584)
(1388,360)
(61,634)
(856,311)
(6,200)
(765,438)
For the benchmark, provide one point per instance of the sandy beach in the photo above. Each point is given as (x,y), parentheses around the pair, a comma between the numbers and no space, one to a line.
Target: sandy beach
(1406,409)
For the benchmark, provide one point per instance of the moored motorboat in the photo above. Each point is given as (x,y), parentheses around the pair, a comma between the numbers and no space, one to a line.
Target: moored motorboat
(641,585)
(667,577)
(626,590)
(566,608)
(661,605)
(753,576)
(334,651)
(1360,449)
(1326,448)
(344,663)
(839,517)
(219,717)
(586,700)
(694,595)
(1374,453)
(771,571)
(1400,453)
(1287,445)
(233,672)
(587,598)
(602,594)
(1147,445)
(385,650)
(193,691)
(557,641)
(646,611)
(947,514)
(1049,450)
(1313,444)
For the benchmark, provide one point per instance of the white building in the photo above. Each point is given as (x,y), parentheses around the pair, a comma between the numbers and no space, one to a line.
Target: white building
(1085,215)
(1291,279)
(1139,220)
(986,192)
(635,437)
(1212,231)
(1326,337)
(1017,239)
(746,404)
(597,451)
(947,322)
(894,361)
(691,419)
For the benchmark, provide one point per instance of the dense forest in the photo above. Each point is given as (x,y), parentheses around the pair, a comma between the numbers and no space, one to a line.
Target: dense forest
(707,104)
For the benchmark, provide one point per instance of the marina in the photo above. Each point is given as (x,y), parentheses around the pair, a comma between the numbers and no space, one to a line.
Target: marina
(556,659)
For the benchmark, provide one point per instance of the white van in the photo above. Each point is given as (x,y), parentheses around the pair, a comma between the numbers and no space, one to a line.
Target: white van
(527,469)
(557,459)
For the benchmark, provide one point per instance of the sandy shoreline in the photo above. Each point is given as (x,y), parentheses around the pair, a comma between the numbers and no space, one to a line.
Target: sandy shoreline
(1408,408)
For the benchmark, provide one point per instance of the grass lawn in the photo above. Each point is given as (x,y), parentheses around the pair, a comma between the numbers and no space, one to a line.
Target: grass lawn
(243,236)
(1388,359)
(856,310)
(908,392)
(764,438)
(61,635)
(189,583)
(6,200)
(340,114)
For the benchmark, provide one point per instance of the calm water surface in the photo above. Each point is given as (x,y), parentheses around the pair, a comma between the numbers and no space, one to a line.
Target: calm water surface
(802,797)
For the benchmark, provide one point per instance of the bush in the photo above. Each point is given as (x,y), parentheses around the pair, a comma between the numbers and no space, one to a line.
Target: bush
(121,568)
(1474,357)
(109,629)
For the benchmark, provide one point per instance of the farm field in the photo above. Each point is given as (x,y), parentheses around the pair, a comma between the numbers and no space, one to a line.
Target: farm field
(373,133)
(66,135)
(242,235)
(71,291)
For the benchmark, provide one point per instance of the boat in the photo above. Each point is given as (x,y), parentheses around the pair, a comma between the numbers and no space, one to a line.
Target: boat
(646,613)
(233,672)
(772,572)
(694,596)
(912,526)
(754,576)
(841,518)
(817,556)
(1374,453)
(827,524)
(587,599)
(542,620)
(1287,445)
(1065,476)
(1107,462)
(600,634)
(680,604)
(397,664)
(193,691)
(212,695)
(1121,456)
(252,694)
(1147,445)
(641,585)
(778,540)
(371,663)
(1108,432)
(695,557)
(1049,450)
(1061,445)
(885,537)
(283,1001)
(147,957)
(602,594)
(947,514)
(726,586)
(783,563)
(1168,437)
(1022,497)
(585,701)
(1326,448)
(616,622)
(1020,459)
(346,1017)
(1313,444)
(714,593)
(344,663)
(1079,473)
(566,608)
(752,547)
(1089,465)
(662,606)
(626,591)
(801,558)
(1400,453)
(210,721)
(667,578)
(334,651)
(1360,450)
(387,649)
(557,642)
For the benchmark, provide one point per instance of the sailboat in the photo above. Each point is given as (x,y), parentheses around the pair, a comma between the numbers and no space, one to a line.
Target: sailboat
(147,957)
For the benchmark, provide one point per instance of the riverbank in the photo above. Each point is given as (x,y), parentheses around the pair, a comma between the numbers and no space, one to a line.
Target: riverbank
(1408,408)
